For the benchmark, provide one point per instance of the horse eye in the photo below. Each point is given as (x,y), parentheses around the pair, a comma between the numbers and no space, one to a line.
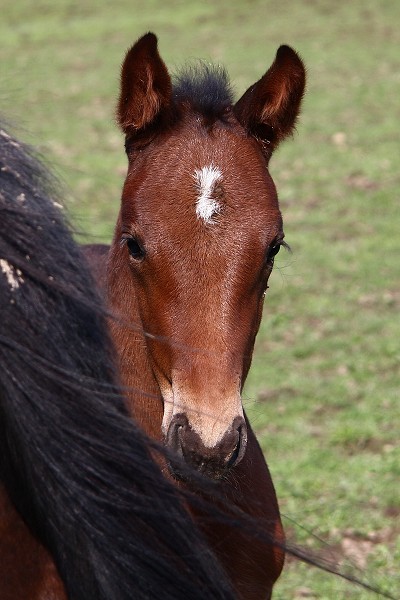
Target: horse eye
(273,251)
(135,249)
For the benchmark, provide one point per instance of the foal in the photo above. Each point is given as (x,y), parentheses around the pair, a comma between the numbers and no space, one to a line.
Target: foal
(187,272)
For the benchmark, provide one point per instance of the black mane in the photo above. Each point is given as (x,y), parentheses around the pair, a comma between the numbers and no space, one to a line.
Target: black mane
(205,87)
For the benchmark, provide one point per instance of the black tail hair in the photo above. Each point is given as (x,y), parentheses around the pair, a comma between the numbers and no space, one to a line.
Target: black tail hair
(74,464)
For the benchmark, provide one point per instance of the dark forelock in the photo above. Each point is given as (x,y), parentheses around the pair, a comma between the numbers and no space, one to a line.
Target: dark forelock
(205,87)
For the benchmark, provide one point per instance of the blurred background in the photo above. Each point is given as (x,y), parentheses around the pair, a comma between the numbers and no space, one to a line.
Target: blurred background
(323,393)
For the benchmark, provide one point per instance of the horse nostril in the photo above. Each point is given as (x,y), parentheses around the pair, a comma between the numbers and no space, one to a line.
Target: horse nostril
(174,433)
(238,451)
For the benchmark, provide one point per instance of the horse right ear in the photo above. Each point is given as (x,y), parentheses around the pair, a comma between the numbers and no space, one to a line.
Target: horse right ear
(270,107)
(146,87)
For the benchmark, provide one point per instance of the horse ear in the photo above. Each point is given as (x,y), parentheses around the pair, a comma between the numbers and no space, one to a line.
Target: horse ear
(269,108)
(145,86)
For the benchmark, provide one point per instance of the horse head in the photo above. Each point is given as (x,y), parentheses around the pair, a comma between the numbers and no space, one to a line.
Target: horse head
(197,234)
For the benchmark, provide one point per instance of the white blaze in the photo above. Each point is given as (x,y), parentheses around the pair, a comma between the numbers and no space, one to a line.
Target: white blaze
(206,204)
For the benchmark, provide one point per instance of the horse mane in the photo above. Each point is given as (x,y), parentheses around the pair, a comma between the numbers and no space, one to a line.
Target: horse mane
(205,87)
(76,467)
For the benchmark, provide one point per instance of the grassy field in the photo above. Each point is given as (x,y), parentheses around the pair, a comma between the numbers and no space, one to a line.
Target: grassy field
(324,388)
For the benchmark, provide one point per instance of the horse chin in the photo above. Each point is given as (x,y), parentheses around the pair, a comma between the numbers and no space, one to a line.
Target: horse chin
(193,475)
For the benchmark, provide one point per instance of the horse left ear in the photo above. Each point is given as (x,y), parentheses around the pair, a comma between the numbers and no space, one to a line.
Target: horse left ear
(270,107)
(145,86)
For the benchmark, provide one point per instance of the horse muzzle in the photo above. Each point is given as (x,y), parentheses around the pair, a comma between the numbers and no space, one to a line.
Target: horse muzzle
(215,461)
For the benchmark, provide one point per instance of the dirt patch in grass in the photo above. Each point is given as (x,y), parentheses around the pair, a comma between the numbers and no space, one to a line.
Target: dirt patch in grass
(393,512)
(266,395)
(357,547)
(352,550)
(365,444)
(359,181)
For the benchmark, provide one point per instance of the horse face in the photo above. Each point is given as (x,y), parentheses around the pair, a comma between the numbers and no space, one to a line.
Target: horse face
(199,226)
(199,230)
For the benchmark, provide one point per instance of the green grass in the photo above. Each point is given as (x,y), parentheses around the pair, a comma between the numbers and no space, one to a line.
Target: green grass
(324,388)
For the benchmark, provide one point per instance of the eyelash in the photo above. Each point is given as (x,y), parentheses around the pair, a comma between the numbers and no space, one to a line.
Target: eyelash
(274,249)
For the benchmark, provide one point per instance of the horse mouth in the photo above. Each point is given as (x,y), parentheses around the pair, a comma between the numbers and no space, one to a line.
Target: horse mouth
(190,473)
(190,465)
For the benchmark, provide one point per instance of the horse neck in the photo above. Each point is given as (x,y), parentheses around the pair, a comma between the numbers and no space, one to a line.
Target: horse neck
(143,395)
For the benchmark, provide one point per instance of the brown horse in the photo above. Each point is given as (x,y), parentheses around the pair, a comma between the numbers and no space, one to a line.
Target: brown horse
(193,249)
